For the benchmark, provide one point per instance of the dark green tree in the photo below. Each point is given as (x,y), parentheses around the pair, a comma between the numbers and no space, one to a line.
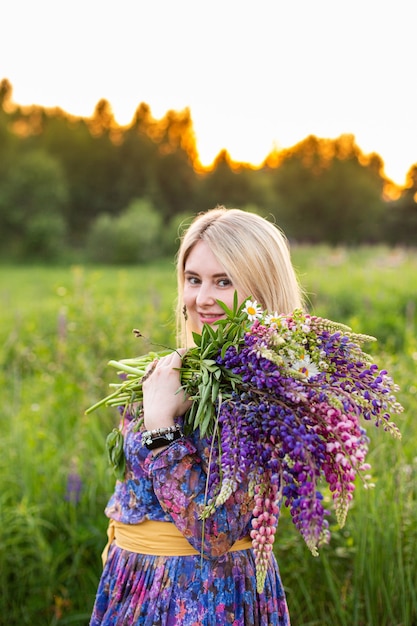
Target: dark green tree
(8,140)
(329,192)
(90,161)
(226,183)
(32,203)
(137,155)
(401,224)
(175,177)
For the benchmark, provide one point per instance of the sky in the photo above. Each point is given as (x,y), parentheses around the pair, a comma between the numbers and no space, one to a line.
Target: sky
(256,75)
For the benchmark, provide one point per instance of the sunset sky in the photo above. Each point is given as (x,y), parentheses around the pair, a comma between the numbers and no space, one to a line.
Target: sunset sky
(254,74)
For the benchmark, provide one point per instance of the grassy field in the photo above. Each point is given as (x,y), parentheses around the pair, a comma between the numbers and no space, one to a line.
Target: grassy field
(60,326)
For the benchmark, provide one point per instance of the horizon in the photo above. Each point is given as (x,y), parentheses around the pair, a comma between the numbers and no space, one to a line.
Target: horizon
(392,188)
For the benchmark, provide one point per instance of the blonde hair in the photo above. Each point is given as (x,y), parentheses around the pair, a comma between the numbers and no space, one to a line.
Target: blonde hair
(253,252)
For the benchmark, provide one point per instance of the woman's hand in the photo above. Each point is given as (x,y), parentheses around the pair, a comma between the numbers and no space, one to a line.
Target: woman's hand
(163,400)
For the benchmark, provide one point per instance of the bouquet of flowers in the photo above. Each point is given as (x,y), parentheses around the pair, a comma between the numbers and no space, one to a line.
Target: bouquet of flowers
(281,398)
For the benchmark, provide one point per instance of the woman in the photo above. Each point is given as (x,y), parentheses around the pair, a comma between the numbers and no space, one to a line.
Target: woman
(164,564)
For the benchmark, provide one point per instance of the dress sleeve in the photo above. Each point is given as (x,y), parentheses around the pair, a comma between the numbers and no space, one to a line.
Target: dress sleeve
(179,482)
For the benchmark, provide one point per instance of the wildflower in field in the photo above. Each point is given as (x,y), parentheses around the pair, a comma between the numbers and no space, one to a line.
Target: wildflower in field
(74,487)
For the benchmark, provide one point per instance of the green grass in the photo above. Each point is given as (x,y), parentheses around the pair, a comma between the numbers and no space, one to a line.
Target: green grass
(58,329)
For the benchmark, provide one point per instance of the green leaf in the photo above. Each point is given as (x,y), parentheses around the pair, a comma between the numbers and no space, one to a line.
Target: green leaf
(225,346)
(115,452)
(209,330)
(222,305)
(197,339)
(208,415)
(210,365)
(218,373)
(214,391)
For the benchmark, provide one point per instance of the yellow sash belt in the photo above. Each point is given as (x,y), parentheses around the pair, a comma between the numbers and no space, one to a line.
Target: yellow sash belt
(155,538)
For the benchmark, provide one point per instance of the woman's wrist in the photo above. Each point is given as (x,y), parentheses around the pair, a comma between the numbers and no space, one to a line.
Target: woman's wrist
(161,437)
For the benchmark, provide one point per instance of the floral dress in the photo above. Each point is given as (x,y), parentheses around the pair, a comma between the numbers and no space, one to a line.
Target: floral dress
(142,590)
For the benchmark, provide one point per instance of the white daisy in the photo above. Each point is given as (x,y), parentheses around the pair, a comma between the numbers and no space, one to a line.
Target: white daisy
(252,310)
(306,367)
(274,320)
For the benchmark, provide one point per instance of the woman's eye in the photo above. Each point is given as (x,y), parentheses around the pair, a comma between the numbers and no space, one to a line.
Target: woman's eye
(193,280)
(225,282)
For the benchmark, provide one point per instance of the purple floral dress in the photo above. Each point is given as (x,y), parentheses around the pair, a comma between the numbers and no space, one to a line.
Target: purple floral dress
(143,590)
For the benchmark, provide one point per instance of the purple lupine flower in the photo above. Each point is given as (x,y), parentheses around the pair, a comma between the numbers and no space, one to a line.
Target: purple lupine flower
(74,488)
(297,430)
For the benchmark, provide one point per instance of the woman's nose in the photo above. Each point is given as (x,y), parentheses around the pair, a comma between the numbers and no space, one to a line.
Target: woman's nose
(205,295)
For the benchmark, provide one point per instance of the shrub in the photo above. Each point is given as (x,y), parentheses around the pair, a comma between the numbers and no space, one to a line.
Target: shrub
(135,236)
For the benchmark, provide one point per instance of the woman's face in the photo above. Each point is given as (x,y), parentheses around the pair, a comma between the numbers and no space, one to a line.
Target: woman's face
(206,281)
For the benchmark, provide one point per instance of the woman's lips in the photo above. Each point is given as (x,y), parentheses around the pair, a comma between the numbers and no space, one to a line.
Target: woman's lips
(210,318)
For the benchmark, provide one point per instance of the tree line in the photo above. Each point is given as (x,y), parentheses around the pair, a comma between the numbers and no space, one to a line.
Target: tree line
(89,188)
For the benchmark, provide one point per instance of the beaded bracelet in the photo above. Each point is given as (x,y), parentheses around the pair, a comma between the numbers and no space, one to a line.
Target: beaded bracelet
(159,437)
